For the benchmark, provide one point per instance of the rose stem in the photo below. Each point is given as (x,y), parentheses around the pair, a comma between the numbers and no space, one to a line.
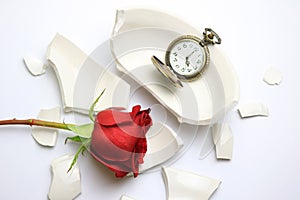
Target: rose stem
(35,122)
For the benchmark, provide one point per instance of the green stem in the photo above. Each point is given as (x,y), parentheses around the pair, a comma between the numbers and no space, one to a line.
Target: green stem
(36,122)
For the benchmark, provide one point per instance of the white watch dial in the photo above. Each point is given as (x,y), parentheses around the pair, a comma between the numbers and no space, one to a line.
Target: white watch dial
(187,57)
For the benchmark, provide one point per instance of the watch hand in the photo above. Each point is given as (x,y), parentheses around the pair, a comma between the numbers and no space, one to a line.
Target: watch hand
(187,62)
(189,55)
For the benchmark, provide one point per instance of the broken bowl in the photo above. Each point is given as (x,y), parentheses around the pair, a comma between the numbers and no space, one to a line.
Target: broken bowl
(139,34)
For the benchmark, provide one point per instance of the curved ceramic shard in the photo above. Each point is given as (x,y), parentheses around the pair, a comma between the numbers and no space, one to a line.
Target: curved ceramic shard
(253,109)
(65,185)
(69,62)
(182,184)
(34,66)
(223,140)
(124,197)
(139,34)
(272,76)
(162,144)
(47,136)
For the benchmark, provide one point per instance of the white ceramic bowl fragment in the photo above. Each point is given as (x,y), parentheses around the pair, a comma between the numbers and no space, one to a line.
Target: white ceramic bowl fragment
(182,184)
(35,66)
(223,140)
(125,197)
(47,136)
(139,34)
(272,76)
(70,64)
(65,185)
(162,144)
(253,109)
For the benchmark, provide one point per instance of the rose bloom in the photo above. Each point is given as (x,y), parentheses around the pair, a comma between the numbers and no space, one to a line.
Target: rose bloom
(118,139)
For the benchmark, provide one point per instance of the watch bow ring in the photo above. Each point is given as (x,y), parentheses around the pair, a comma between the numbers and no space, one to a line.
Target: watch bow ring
(186,57)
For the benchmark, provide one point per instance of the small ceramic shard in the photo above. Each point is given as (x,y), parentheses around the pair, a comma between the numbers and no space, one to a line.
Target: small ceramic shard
(223,140)
(81,79)
(182,184)
(47,136)
(34,66)
(253,109)
(272,76)
(162,144)
(124,197)
(65,185)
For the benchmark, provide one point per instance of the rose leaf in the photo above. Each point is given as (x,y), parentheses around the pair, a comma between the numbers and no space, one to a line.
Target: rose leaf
(91,111)
(83,131)
(75,139)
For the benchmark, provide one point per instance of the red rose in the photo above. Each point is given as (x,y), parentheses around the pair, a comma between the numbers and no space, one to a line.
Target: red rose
(118,139)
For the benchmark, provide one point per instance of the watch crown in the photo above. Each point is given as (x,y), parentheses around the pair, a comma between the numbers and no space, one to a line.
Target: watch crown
(211,37)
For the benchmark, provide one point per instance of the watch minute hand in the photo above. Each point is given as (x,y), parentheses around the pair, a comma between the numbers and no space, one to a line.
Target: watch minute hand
(187,62)
(189,55)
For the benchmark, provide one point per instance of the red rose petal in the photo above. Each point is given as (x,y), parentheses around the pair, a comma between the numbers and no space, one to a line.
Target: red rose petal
(113,117)
(135,110)
(118,139)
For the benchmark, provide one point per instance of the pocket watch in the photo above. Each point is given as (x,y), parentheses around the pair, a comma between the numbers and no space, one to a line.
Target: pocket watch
(186,57)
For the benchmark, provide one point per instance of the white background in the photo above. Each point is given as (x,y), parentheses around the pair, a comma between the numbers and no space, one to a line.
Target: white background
(256,35)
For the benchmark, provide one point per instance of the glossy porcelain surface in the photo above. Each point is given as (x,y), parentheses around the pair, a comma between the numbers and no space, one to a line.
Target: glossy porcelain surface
(139,34)
(185,185)
(35,66)
(163,143)
(223,140)
(81,79)
(125,197)
(47,136)
(64,186)
(272,76)
(253,109)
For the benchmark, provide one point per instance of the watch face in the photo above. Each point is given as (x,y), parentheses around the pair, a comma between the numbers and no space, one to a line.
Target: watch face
(187,57)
